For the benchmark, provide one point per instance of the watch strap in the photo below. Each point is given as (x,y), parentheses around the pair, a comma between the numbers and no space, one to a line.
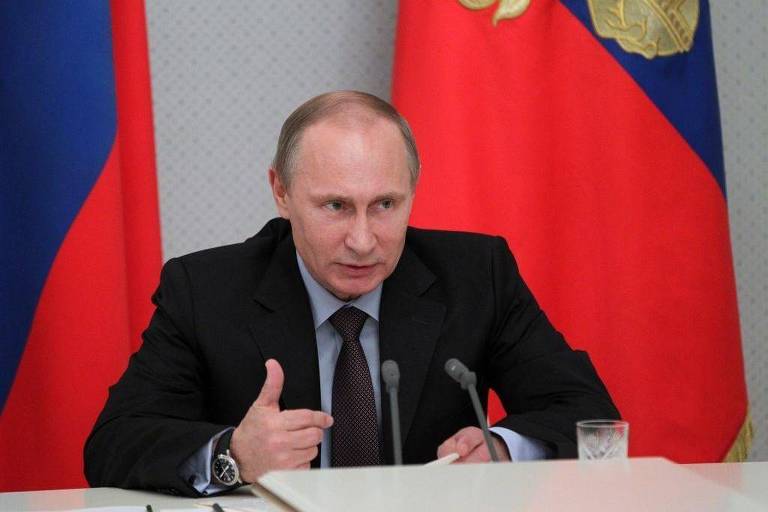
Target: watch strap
(222,445)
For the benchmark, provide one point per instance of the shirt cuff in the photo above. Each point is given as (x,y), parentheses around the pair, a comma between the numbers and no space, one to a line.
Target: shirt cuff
(521,447)
(196,470)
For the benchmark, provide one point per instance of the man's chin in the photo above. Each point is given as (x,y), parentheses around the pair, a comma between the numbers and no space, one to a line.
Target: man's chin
(351,291)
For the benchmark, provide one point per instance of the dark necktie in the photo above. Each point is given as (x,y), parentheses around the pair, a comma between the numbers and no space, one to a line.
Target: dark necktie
(355,431)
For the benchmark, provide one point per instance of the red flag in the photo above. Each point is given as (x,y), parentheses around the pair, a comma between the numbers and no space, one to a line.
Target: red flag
(84,243)
(597,154)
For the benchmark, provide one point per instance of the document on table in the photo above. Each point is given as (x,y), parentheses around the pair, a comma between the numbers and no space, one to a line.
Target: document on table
(111,509)
(229,504)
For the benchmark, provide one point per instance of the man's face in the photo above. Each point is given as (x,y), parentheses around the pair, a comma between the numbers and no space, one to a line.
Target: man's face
(348,202)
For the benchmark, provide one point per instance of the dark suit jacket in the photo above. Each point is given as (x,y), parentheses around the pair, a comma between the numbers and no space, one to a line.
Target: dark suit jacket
(221,313)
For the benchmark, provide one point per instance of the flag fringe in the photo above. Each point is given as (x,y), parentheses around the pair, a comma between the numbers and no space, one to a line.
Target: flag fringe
(739,450)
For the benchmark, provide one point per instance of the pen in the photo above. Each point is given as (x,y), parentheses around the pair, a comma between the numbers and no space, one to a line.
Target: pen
(217,508)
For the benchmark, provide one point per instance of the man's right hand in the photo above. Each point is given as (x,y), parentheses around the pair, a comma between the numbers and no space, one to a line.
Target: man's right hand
(268,438)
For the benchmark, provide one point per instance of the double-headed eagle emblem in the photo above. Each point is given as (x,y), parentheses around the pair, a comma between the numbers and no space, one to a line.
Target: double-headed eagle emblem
(651,28)
(506,9)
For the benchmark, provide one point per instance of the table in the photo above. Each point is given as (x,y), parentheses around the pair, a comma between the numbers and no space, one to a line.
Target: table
(68,499)
(749,478)
(743,485)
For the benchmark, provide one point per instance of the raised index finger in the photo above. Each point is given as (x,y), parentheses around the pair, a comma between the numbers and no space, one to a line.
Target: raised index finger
(298,419)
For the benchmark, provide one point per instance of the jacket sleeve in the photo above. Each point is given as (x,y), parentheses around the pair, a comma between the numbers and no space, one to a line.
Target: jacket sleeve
(544,385)
(154,418)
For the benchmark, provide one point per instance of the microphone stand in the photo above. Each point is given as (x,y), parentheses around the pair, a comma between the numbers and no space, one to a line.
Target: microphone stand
(461,374)
(391,375)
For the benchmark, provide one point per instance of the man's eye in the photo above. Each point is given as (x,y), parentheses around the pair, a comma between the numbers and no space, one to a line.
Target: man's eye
(387,204)
(334,205)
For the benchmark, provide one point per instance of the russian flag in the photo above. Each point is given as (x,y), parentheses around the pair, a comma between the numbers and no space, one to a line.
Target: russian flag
(587,133)
(79,229)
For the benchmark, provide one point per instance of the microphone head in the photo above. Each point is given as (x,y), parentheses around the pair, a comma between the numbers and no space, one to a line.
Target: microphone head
(460,373)
(390,373)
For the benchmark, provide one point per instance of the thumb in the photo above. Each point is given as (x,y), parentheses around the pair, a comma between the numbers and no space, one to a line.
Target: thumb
(448,447)
(467,440)
(269,396)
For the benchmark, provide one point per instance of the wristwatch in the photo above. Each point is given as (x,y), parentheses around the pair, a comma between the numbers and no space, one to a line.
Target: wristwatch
(224,468)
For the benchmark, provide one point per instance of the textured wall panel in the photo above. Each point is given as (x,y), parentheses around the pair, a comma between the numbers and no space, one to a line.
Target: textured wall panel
(224,76)
(740,33)
(226,73)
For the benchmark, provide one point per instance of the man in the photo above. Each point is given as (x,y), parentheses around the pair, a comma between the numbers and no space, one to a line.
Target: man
(265,355)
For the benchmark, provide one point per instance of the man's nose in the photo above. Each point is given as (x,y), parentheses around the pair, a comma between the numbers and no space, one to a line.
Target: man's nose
(360,238)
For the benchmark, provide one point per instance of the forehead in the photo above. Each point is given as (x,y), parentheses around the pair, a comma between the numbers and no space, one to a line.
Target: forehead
(352,147)
(352,124)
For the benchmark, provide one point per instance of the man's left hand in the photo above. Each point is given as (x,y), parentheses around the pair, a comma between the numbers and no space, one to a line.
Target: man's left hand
(470,445)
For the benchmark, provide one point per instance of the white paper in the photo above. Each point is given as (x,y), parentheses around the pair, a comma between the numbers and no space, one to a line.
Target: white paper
(448,459)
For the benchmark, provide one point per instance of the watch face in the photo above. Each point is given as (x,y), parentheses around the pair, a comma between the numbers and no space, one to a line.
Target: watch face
(225,470)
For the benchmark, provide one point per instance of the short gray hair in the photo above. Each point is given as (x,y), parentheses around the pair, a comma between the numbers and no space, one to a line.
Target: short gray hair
(327,105)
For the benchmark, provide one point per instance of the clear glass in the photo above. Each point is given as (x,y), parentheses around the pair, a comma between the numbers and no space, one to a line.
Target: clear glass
(602,439)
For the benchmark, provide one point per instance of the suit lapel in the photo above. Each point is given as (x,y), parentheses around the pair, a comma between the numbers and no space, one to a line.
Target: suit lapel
(408,330)
(284,330)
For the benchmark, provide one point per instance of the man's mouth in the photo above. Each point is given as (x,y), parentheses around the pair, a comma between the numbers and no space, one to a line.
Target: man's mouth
(357,270)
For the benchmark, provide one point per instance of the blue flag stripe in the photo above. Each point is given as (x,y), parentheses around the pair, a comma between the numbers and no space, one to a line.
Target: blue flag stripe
(682,86)
(57,127)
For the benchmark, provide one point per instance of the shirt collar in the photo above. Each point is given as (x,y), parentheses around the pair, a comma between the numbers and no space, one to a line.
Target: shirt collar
(324,303)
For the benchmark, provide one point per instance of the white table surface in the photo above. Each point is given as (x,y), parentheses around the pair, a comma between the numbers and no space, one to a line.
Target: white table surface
(634,485)
(749,478)
(69,499)
(564,485)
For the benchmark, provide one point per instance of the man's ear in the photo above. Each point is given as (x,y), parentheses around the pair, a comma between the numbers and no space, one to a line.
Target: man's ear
(279,193)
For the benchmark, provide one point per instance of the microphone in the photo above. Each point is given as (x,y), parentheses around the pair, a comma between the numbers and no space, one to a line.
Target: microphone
(461,374)
(391,375)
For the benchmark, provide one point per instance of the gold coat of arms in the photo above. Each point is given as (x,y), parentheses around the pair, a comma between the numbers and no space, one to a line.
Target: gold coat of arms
(507,9)
(648,27)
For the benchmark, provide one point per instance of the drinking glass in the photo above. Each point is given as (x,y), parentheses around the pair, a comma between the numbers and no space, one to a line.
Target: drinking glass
(602,439)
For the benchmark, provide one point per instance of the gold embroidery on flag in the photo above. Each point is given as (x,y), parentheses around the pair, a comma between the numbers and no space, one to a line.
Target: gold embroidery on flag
(507,9)
(648,27)
(739,450)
